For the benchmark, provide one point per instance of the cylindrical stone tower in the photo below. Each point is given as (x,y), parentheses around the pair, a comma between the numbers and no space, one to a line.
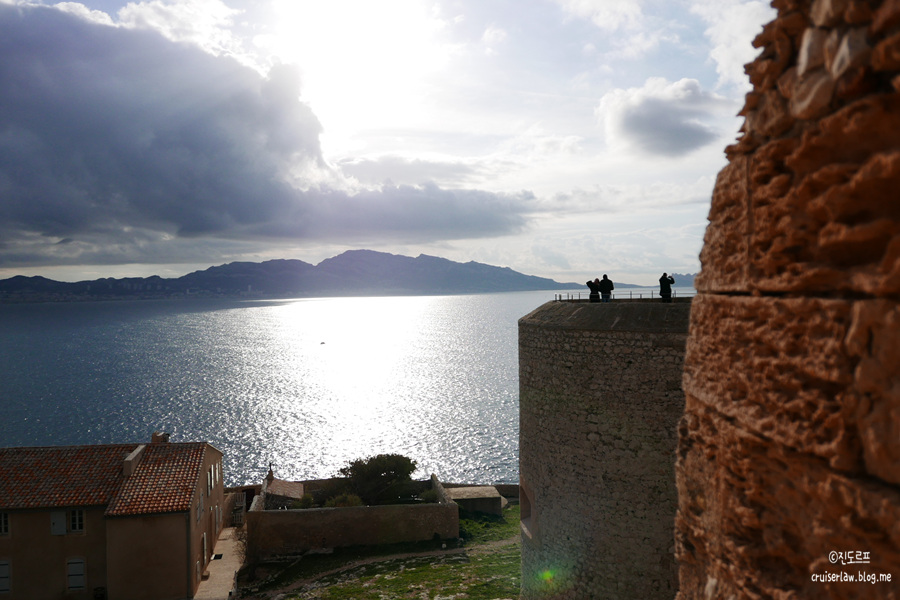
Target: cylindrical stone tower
(789,452)
(599,401)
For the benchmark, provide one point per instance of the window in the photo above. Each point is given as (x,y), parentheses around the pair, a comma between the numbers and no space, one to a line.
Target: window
(63,522)
(4,523)
(75,579)
(4,576)
(200,508)
(76,521)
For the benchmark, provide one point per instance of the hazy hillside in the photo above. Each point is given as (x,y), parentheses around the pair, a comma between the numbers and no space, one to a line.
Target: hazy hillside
(356,272)
(684,280)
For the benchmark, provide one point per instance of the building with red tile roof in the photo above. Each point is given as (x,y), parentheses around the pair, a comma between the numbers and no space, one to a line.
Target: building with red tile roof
(116,521)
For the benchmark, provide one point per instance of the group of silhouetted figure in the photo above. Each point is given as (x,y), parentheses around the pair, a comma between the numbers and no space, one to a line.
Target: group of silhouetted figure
(601,289)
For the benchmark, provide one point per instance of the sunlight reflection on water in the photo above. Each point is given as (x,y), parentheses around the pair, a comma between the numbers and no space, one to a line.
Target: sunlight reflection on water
(306,385)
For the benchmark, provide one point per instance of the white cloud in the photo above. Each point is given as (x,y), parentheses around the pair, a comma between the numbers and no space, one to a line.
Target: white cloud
(662,118)
(410,171)
(644,198)
(732,25)
(606,14)
(537,144)
(636,44)
(76,8)
(631,29)
(491,38)
(206,23)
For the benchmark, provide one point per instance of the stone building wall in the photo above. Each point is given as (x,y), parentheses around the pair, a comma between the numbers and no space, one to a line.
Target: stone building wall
(789,452)
(600,398)
(278,532)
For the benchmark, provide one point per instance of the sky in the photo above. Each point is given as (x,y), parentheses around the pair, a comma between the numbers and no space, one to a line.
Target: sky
(560,138)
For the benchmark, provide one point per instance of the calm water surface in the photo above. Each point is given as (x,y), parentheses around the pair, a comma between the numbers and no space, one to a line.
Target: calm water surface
(306,385)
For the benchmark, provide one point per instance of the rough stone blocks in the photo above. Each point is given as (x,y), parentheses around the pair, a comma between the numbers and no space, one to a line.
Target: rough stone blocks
(789,449)
(600,399)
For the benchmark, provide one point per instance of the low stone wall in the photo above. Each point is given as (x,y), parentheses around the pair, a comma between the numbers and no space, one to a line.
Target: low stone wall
(600,399)
(295,531)
(274,532)
(510,491)
(319,489)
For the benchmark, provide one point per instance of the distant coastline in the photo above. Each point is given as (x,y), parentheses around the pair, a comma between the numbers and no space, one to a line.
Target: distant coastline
(353,273)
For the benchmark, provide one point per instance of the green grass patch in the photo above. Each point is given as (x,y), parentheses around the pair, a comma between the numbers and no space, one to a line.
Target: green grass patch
(483,576)
(311,565)
(483,572)
(480,528)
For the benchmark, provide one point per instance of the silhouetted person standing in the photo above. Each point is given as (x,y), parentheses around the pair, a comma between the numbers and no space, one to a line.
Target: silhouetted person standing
(606,287)
(595,290)
(665,287)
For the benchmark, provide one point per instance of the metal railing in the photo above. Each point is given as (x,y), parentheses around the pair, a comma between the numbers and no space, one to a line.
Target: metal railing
(623,295)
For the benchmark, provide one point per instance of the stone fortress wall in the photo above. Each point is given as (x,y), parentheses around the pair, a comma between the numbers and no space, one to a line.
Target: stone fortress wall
(274,530)
(600,398)
(789,453)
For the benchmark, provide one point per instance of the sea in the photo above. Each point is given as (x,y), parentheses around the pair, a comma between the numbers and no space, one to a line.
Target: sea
(299,385)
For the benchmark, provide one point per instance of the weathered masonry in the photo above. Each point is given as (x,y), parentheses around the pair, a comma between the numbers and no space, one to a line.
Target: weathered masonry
(600,398)
(789,453)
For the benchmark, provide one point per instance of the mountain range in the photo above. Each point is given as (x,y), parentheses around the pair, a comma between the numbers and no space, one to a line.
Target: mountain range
(355,272)
(352,273)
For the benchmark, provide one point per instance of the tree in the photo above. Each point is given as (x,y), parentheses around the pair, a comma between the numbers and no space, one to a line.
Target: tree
(379,478)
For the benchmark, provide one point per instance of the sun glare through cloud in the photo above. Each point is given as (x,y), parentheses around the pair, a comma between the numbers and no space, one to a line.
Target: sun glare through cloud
(365,65)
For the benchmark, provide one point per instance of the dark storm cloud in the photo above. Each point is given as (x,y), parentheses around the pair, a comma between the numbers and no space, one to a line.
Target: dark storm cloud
(661,118)
(114,140)
(655,127)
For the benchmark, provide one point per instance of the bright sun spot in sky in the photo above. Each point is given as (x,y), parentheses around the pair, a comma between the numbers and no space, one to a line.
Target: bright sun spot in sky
(364,65)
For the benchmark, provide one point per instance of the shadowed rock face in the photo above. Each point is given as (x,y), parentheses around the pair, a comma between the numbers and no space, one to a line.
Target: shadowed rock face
(789,448)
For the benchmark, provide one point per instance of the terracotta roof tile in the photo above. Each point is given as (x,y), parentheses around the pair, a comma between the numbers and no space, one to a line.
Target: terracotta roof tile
(66,476)
(47,477)
(164,481)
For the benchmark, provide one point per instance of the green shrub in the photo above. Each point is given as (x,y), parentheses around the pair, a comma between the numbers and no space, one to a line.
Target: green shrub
(344,501)
(304,502)
(379,478)
(428,496)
